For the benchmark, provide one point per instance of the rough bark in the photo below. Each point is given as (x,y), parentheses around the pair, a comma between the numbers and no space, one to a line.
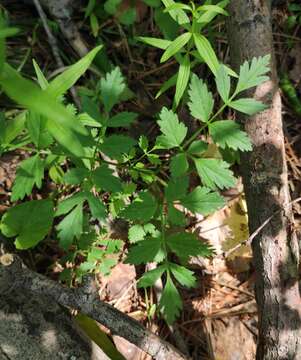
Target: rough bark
(275,248)
(15,276)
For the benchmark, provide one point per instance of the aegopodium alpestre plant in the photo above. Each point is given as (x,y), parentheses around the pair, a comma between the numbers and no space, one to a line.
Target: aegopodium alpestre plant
(97,172)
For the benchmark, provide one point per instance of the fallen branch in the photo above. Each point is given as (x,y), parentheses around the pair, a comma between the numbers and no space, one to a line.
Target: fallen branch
(14,275)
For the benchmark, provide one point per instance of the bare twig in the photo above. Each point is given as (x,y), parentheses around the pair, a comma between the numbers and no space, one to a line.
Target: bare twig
(54,46)
(51,39)
(14,274)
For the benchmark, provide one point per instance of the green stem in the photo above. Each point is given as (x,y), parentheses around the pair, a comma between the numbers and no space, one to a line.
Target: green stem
(198,132)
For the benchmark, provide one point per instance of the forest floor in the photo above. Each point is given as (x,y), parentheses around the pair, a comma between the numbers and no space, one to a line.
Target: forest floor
(220,316)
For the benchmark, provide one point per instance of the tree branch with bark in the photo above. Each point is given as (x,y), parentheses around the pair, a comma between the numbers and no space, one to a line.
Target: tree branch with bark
(15,275)
(264,171)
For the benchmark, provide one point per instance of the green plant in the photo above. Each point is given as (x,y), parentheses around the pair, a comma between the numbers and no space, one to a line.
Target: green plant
(294,18)
(191,47)
(99,172)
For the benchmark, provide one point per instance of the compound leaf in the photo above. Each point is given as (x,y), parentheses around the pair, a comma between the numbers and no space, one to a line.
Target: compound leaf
(104,179)
(142,208)
(116,145)
(148,250)
(253,74)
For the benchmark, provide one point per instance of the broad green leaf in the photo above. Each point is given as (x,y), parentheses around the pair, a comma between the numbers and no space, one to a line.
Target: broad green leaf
(178,15)
(178,165)
(175,216)
(111,6)
(170,303)
(150,277)
(61,124)
(158,43)
(215,173)
(122,119)
(30,221)
(247,106)
(184,276)
(71,226)
(75,176)
(173,131)
(148,250)
(222,80)
(29,173)
(176,188)
(182,79)
(104,179)
(42,81)
(87,120)
(97,208)
(253,74)
(176,46)
(200,99)
(201,200)
(139,232)
(116,145)
(166,24)
(66,205)
(227,133)
(206,51)
(186,244)
(11,128)
(197,147)
(69,77)
(136,233)
(37,129)
(142,208)
(112,86)
(128,16)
